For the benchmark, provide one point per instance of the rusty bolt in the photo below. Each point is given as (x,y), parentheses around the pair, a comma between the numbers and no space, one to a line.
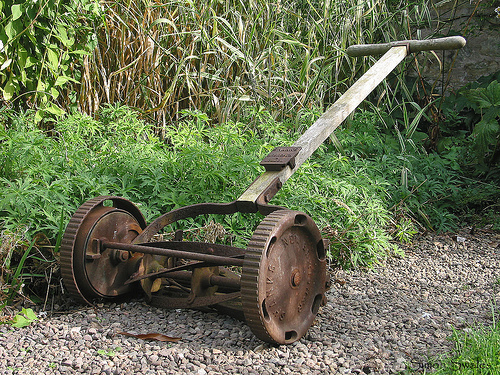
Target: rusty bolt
(296,278)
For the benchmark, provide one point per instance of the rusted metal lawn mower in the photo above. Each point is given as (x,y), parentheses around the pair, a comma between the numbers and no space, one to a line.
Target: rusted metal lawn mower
(108,249)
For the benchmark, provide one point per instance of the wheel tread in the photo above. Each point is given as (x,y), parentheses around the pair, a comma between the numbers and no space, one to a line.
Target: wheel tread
(250,274)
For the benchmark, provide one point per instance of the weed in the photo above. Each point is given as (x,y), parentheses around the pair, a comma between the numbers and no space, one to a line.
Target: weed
(475,352)
(25,318)
(405,230)
(110,352)
(420,187)
(198,163)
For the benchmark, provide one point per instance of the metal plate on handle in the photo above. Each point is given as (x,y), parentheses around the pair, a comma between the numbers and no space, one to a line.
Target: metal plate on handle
(280,157)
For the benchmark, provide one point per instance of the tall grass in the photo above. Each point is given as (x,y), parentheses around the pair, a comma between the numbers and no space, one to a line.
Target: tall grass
(218,56)
(475,352)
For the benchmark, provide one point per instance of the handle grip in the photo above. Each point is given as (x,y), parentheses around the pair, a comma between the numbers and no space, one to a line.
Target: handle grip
(451,42)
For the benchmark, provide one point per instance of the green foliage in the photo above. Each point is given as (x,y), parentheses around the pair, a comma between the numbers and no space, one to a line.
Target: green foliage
(475,352)
(405,230)
(41,48)
(473,113)
(216,56)
(470,135)
(44,176)
(486,134)
(52,174)
(415,186)
(25,318)
(363,190)
(109,353)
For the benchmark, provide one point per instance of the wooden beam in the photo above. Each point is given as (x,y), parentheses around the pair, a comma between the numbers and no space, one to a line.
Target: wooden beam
(330,120)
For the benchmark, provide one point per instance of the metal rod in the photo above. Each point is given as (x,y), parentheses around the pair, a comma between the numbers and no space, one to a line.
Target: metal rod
(227,282)
(213,259)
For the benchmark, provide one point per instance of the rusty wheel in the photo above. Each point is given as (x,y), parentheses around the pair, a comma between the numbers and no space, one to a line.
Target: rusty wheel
(284,277)
(87,272)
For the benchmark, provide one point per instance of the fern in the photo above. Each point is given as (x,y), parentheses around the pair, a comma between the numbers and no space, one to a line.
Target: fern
(486,133)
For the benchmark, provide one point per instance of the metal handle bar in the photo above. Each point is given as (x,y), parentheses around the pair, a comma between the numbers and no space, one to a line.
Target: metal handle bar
(451,42)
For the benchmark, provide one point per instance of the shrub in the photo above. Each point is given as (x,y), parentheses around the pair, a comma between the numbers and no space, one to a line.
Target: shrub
(41,46)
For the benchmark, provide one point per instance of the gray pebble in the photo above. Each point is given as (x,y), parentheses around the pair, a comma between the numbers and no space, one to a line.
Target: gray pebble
(379,322)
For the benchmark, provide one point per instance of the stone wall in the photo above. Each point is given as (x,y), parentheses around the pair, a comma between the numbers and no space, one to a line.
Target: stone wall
(479,22)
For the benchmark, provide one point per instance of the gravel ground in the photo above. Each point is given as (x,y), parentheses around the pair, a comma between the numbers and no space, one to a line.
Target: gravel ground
(378,322)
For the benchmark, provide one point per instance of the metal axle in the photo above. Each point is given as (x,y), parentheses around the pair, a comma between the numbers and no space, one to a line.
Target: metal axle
(212,259)
(214,280)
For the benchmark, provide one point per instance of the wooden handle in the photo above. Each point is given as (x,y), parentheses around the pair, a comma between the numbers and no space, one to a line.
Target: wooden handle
(451,42)
(326,124)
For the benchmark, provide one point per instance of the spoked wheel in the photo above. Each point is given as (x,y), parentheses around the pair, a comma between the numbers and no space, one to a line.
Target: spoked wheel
(87,272)
(284,277)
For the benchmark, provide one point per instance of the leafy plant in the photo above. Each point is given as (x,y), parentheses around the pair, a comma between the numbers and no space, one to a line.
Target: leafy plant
(360,193)
(486,133)
(41,45)
(110,352)
(25,318)
(52,176)
(469,135)
(405,230)
(475,352)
